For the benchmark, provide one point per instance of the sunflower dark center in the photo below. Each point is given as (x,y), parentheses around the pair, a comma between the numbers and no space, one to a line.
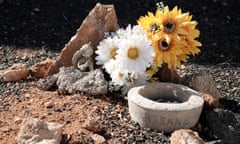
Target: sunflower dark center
(169,27)
(164,45)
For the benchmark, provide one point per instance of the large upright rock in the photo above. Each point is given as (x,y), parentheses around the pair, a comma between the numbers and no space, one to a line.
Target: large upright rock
(101,19)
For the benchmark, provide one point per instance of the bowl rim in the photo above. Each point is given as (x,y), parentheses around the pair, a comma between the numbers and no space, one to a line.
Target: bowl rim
(194,100)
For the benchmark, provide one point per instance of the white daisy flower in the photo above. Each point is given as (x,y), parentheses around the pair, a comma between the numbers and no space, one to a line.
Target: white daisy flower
(128,79)
(110,66)
(124,33)
(135,53)
(139,30)
(117,77)
(106,50)
(120,33)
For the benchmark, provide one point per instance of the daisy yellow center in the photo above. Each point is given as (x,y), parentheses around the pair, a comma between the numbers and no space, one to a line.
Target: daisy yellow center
(163,45)
(169,26)
(120,75)
(133,53)
(113,53)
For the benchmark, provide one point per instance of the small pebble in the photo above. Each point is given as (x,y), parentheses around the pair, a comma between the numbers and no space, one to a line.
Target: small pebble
(17,120)
(49,104)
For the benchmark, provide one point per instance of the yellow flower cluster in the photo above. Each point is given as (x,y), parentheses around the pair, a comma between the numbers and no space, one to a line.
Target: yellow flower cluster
(172,34)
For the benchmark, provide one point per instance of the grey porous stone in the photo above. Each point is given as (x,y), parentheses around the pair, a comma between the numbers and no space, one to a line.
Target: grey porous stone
(225,125)
(73,81)
(47,83)
(35,131)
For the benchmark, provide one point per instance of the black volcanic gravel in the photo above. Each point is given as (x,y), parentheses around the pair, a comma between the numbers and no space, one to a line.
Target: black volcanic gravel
(46,26)
(12,55)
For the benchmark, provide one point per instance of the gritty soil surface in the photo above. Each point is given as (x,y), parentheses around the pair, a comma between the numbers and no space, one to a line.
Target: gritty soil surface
(20,100)
(32,31)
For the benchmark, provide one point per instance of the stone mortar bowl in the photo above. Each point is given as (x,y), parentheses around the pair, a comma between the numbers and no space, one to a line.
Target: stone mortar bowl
(165,106)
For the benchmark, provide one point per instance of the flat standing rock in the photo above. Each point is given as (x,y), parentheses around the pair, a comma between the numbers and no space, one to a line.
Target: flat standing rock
(101,19)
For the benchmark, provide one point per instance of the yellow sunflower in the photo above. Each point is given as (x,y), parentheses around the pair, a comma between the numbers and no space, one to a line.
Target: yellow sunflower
(167,50)
(192,46)
(151,71)
(182,57)
(173,35)
(190,27)
(148,23)
(170,22)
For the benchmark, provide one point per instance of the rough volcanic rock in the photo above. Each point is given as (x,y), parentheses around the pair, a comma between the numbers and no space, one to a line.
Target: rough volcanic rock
(47,83)
(72,81)
(224,124)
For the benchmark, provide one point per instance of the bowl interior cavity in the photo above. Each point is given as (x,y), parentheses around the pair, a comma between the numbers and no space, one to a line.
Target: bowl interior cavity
(164,94)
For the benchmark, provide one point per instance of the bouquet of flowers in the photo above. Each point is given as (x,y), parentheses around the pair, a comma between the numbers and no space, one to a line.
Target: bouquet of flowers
(132,56)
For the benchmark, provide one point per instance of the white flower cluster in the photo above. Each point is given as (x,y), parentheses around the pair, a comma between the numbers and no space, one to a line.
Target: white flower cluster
(125,55)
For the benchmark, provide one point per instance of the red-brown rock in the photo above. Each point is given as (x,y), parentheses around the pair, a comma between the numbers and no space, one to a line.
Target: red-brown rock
(39,70)
(15,72)
(210,101)
(92,125)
